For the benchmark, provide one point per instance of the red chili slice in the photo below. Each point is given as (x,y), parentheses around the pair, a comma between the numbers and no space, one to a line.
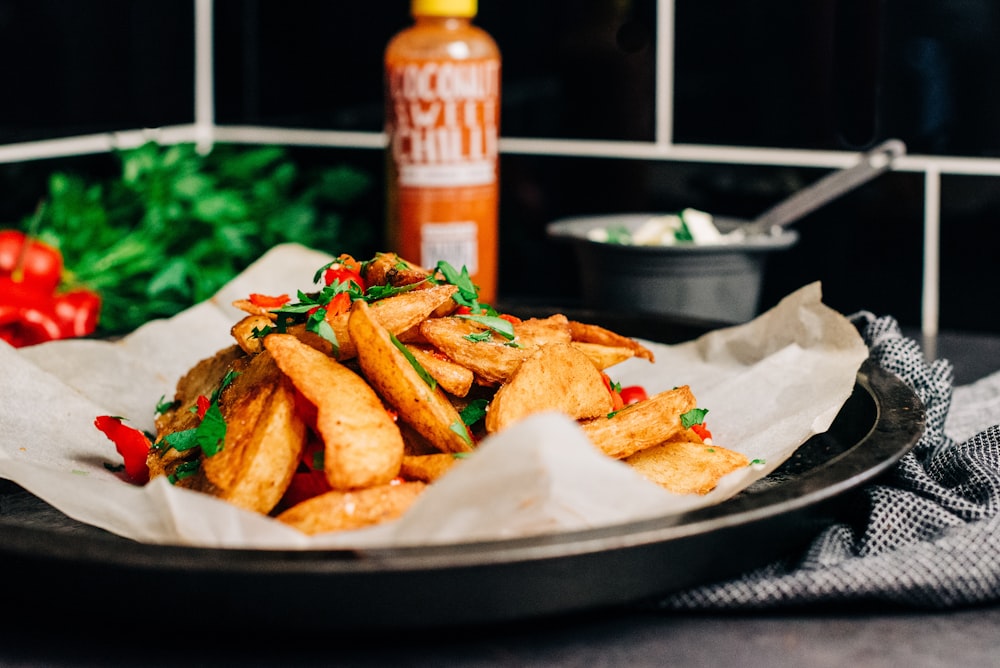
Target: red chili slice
(268,301)
(702,431)
(132,444)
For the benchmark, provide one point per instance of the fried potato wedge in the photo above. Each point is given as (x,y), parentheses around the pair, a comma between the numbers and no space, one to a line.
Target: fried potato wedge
(248,307)
(492,360)
(398,314)
(396,380)
(641,425)
(264,438)
(201,380)
(685,466)
(390,269)
(245,332)
(341,511)
(363,446)
(427,468)
(453,378)
(587,333)
(543,331)
(604,356)
(555,377)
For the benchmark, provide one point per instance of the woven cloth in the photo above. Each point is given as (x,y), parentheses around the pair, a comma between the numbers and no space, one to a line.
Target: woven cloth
(928,536)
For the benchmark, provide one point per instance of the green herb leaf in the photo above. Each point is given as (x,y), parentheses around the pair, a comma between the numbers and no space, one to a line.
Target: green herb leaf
(479,337)
(182,441)
(693,417)
(502,327)
(210,433)
(421,371)
(459,428)
(184,470)
(474,411)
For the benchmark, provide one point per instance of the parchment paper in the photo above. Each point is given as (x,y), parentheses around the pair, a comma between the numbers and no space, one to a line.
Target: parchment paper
(769,385)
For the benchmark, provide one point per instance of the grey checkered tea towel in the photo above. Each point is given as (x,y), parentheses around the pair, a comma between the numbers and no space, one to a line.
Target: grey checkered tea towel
(930,538)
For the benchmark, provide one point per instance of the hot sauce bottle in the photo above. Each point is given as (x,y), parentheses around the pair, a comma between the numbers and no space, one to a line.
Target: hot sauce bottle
(442,77)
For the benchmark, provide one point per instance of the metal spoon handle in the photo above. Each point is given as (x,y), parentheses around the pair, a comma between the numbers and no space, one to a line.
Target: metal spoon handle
(833,185)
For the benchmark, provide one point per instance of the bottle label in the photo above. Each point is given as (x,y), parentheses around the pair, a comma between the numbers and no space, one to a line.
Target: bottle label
(444,122)
(455,243)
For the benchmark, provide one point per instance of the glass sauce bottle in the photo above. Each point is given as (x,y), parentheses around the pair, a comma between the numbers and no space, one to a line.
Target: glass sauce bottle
(442,77)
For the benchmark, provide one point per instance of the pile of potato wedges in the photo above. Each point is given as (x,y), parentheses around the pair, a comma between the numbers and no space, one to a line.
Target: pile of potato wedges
(337,412)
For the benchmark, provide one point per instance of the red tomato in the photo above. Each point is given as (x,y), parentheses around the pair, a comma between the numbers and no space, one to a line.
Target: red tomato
(338,272)
(633,394)
(29,261)
(77,312)
(27,316)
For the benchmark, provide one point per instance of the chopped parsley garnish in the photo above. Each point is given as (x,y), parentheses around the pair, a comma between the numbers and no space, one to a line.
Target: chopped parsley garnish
(474,411)
(184,470)
(459,428)
(162,406)
(421,371)
(479,337)
(693,417)
(502,327)
(468,293)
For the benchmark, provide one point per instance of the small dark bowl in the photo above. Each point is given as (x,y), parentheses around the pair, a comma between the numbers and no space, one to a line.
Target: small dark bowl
(719,282)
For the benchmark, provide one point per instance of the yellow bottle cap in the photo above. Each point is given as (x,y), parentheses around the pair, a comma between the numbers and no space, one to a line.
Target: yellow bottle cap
(461,8)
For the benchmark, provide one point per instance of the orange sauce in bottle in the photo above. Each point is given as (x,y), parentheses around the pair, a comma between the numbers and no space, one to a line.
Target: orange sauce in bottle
(442,78)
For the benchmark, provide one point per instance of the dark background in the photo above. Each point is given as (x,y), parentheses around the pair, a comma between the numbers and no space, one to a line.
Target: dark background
(824,74)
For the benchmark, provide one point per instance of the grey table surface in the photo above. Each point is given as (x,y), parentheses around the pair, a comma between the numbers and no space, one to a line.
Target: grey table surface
(854,637)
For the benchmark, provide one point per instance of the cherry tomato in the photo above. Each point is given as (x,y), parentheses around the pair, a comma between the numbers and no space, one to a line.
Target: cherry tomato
(633,394)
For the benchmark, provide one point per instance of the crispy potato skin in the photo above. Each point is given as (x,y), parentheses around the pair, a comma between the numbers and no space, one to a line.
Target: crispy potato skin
(555,377)
(201,380)
(685,466)
(426,409)
(453,378)
(587,333)
(427,468)
(363,446)
(341,511)
(642,425)
(264,438)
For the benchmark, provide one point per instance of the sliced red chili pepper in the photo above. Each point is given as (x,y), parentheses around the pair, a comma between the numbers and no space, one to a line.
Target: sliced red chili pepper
(304,485)
(132,444)
(341,303)
(616,397)
(512,319)
(202,404)
(702,431)
(633,394)
(268,301)
(29,261)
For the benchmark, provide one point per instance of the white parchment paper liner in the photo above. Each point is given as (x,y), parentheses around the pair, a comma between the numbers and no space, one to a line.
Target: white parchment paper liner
(769,385)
